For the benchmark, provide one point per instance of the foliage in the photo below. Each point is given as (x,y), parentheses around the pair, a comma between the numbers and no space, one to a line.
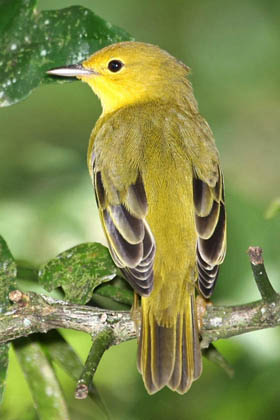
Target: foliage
(47,206)
(79,271)
(32,42)
(7,284)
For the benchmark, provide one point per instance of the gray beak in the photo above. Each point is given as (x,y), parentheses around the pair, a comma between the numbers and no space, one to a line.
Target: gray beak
(71,71)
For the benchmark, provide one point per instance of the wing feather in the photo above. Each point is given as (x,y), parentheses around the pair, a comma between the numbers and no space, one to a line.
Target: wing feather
(206,225)
(99,191)
(212,249)
(129,254)
(130,227)
(202,197)
(210,221)
(130,239)
(136,199)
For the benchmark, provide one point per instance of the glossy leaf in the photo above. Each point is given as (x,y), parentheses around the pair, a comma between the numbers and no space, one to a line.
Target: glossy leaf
(79,271)
(32,42)
(7,283)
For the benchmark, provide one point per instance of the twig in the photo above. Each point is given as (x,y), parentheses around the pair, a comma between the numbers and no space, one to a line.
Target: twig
(61,352)
(212,354)
(101,342)
(257,264)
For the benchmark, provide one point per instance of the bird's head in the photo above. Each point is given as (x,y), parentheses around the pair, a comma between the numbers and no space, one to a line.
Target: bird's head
(128,72)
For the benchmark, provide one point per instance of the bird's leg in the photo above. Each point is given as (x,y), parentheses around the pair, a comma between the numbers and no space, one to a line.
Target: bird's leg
(201,308)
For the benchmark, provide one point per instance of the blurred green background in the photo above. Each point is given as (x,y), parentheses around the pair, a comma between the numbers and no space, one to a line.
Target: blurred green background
(47,202)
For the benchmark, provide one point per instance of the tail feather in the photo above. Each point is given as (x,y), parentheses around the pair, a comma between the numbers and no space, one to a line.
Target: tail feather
(170,356)
(163,346)
(144,356)
(179,355)
(196,342)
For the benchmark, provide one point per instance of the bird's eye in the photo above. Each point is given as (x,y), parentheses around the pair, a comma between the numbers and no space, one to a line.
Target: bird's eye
(115,65)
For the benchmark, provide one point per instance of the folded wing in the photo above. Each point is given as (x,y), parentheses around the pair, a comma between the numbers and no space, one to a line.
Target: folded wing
(210,218)
(130,239)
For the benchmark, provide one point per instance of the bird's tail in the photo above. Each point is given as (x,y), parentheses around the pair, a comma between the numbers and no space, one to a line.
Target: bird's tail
(170,356)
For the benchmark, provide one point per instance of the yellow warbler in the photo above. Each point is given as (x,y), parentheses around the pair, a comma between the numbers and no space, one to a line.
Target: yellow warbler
(159,189)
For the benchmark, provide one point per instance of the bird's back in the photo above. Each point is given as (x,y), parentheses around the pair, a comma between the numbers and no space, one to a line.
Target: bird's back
(167,146)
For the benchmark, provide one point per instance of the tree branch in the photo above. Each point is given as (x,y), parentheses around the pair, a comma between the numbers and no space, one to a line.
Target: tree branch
(41,314)
(32,313)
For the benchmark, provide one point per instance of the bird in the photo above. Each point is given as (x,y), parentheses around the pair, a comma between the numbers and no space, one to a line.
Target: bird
(160,193)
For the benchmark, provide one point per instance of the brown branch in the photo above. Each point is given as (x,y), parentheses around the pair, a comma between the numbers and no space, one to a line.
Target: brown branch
(38,313)
(42,313)
(32,313)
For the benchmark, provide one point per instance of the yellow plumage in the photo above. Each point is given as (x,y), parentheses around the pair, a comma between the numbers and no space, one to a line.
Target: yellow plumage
(159,190)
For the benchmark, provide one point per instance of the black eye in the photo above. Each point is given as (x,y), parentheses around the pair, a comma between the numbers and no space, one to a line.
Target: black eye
(115,65)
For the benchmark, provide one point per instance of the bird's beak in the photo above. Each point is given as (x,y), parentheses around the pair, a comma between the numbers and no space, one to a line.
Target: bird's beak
(74,70)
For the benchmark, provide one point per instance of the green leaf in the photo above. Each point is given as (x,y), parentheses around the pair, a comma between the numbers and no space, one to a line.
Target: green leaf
(32,42)
(4,362)
(117,294)
(79,271)
(27,271)
(8,274)
(46,393)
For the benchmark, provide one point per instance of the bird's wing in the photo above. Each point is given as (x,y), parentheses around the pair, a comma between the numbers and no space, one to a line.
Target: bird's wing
(130,240)
(209,203)
(210,219)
